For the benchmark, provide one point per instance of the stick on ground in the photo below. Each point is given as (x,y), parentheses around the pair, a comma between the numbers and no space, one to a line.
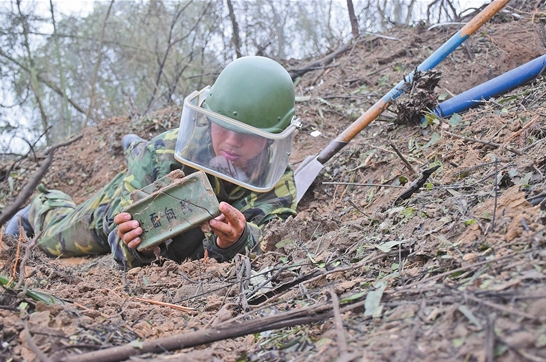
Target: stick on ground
(408,165)
(221,332)
(416,185)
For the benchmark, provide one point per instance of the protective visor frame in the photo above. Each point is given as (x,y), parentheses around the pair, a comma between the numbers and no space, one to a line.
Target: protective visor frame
(193,102)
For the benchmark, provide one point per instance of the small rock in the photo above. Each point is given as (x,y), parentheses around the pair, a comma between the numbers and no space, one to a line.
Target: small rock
(403,311)
(40,318)
(143,329)
(460,331)
(521,339)
(133,272)
(86,320)
(470,258)
(248,341)
(537,307)
(165,327)
(223,315)
(346,285)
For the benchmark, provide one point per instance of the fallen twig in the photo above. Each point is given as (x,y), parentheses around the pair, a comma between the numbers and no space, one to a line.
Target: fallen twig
(411,340)
(174,306)
(81,306)
(25,259)
(33,347)
(244,268)
(62,144)
(416,185)
(496,195)
(29,188)
(359,184)
(521,130)
(16,261)
(533,145)
(294,73)
(222,331)
(490,338)
(492,144)
(449,272)
(342,341)
(500,307)
(408,165)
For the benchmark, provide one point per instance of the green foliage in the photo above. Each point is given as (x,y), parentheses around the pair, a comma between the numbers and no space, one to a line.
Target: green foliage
(455,120)
(36,295)
(434,138)
(408,213)
(525,181)
(383,80)
(430,119)
(372,304)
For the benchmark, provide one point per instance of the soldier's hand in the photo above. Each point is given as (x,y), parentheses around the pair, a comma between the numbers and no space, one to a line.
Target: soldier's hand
(229,226)
(128,229)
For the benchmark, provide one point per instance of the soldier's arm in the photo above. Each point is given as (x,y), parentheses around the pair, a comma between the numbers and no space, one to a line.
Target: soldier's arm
(258,209)
(152,161)
(148,163)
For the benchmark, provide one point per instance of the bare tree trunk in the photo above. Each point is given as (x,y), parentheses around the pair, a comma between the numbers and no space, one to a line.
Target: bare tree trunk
(53,87)
(33,77)
(67,123)
(410,11)
(278,23)
(97,65)
(381,9)
(397,12)
(429,6)
(329,22)
(235,38)
(352,17)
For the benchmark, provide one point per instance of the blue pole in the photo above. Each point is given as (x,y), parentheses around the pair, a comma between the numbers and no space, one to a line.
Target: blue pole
(499,85)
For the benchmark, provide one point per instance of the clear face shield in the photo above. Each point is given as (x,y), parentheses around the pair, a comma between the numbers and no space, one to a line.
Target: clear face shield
(229,149)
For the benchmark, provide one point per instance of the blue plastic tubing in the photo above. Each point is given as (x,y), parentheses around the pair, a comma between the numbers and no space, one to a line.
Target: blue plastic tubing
(499,85)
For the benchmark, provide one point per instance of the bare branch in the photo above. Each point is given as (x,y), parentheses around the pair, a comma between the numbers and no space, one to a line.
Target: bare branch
(327,59)
(48,84)
(61,70)
(33,78)
(97,64)
(170,43)
(29,188)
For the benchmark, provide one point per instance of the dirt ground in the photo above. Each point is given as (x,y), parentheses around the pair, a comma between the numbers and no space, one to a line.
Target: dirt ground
(454,272)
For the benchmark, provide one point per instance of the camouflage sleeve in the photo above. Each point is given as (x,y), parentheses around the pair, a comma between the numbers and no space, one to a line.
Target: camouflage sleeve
(146,162)
(259,209)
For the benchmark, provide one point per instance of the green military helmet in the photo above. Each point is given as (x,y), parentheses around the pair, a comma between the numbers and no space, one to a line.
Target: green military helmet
(256,91)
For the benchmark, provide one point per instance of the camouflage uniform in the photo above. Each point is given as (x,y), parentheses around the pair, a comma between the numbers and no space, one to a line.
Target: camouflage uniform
(70,230)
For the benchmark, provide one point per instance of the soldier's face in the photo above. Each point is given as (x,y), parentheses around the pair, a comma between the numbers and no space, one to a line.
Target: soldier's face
(236,147)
